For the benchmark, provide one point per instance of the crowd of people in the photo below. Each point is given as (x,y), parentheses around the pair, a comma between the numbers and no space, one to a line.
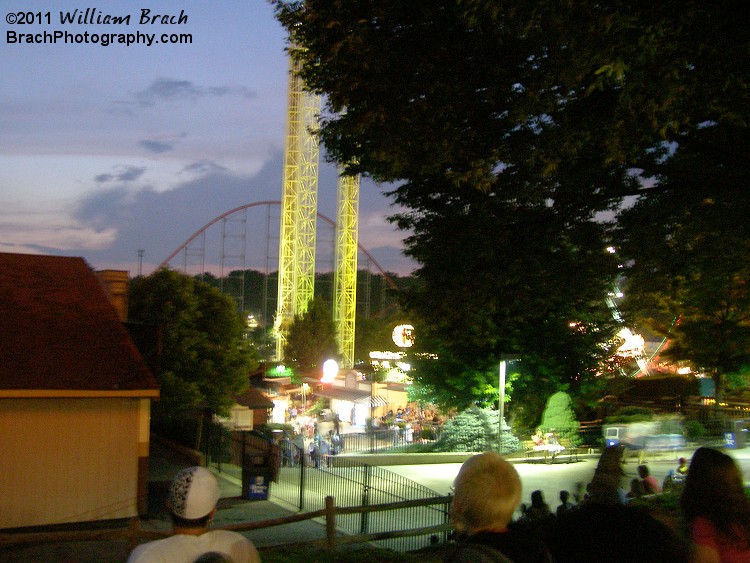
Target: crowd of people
(319,435)
(598,523)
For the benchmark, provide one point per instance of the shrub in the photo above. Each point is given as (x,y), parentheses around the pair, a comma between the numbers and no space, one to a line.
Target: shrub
(694,430)
(475,430)
(559,417)
(626,415)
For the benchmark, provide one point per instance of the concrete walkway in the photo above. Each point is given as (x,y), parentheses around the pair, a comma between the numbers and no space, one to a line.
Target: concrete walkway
(439,477)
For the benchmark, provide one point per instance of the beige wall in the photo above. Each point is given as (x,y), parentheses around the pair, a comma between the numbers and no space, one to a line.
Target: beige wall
(69,460)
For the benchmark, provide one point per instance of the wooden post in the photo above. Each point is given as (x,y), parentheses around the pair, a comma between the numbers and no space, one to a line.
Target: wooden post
(330,523)
(133,532)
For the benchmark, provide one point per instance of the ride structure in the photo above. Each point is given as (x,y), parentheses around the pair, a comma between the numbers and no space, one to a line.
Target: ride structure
(345,258)
(297,238)
(299,205)
(297,232)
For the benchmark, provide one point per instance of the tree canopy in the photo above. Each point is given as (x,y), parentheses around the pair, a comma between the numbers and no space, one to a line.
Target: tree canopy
(203,361)
(687,276)
(515,132)
(457,88)
(311,339)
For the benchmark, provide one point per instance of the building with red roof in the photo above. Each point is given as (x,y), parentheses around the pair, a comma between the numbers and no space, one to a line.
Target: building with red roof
(75,396)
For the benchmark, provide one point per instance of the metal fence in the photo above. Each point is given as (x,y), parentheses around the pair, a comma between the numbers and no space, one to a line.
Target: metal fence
(304,480)
(390,439)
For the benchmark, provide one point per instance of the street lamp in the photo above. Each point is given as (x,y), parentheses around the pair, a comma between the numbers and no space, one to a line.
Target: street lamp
(330,371)
(504,359)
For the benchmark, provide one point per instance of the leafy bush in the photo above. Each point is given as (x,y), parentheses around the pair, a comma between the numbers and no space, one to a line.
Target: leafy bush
(559,417)
(268,428)
(626,415)
(476,430)
(695,430)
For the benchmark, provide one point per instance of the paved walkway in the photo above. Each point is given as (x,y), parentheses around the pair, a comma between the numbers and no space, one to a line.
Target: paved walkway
(549,478)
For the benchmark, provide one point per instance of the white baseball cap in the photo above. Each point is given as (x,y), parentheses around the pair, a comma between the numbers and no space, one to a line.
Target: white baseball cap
(194,493)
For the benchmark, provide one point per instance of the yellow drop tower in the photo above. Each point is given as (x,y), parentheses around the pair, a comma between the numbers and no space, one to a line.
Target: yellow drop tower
(297,238)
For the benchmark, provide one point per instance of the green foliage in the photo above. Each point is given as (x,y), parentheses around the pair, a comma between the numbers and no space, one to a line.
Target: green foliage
(268,428)
(321,403)
(634,410)
(450,381)
(311,339)
(559,417)
(739,381)
(203,361)
(626,419)
(695,430)
(687,273)
(666,502)
(503,172)
(475,430)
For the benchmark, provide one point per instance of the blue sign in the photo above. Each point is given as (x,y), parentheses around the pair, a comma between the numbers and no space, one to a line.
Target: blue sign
(258,488)
(729,440)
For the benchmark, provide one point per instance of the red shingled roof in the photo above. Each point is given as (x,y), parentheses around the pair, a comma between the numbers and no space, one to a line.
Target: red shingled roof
(59,333)
(254,399)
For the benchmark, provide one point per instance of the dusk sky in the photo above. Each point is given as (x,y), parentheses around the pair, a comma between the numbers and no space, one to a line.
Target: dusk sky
(105,150)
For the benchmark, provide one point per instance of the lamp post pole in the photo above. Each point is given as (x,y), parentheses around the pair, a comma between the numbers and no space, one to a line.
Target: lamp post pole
(504,359)
(501,404)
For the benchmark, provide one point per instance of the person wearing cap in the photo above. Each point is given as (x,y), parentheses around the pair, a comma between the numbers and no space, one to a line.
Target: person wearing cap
(192,500)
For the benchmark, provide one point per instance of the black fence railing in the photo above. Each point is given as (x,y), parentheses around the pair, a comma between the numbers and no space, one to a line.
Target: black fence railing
(304,481)
(397,439)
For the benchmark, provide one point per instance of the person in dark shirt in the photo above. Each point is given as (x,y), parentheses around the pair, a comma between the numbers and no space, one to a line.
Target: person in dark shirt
(602,528)
(565,503)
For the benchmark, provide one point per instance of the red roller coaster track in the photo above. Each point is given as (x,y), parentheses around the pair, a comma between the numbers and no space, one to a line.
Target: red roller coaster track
(332,223)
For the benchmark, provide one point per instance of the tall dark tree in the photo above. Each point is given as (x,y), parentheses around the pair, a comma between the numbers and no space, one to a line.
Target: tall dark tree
(688,246)
(509,128)
(458,87)
(311,339)
(203,359)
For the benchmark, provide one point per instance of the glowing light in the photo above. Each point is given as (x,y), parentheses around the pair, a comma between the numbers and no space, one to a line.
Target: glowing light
(633,345)
(403,336)
(330,370)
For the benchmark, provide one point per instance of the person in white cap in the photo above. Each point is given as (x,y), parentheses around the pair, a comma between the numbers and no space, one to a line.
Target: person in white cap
(192,504)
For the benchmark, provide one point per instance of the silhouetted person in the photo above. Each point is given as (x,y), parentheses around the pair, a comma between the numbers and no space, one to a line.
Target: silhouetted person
(539,509)
(537,517)
(650,484)
(565,503)
(636,488)
(716,509)
(604,530)
(605,485)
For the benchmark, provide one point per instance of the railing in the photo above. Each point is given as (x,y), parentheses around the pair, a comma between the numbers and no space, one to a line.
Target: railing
(389,439)
(304,481)
(331,514)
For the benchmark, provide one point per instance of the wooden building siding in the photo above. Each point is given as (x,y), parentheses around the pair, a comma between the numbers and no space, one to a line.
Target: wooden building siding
(70,460)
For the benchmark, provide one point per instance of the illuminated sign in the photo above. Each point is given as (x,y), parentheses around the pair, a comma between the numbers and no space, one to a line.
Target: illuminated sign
(403,336)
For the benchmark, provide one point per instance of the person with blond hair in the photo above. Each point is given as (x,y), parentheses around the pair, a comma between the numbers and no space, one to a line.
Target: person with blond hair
(487,492)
